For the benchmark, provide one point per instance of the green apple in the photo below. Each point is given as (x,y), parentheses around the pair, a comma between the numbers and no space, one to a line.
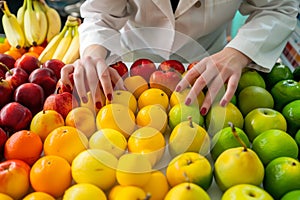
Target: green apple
(296,74)
(292,195)
(185,191)
(253,97)
(278,73)
(284,92)
(180,112)
(291,112)
(225,139)
(246,192)
(250,77)
(188,136)
(282,176)
(190,167)
(218,117)
(262,119)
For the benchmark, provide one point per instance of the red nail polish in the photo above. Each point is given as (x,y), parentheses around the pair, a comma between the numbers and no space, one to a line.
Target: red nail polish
(203,111)
(84,100)
(98,105)
(223,103)
(188,101)
(178,88)
(109,97)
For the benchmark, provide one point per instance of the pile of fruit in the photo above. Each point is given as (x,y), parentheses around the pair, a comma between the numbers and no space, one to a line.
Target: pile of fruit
(145,143)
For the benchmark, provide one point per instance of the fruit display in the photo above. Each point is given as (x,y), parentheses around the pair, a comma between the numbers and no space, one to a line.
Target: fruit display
(145,143)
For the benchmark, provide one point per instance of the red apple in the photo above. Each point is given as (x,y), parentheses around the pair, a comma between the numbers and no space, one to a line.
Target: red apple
(16,76)
(63,103)
(46,78)
(165,80)
(28,63)
(121,68)
(30,95)
(6,92)
(191,65)
(3,138)
(14,178)
(171,64)
(55,65)
(6,62)
(2,74)
(142,67)
(14,117)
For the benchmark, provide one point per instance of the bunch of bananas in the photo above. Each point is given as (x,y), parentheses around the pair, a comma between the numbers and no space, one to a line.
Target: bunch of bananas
(65,45)
(34,23)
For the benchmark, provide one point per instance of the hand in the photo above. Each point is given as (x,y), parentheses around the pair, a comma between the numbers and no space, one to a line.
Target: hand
(92,74)
(223,67)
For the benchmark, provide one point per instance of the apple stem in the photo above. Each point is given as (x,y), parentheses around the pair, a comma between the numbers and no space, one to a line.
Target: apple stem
(4,65)
(148,196)
(237,136)
(191,121)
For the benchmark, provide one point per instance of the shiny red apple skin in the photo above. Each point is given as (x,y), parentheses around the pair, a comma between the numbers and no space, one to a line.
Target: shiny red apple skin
(171,64)
(121,68)
(165,80)
(2,74)
(30,95)
(6,92)
(15,117)
(46,78)
(55,64)
(28,63)
(3,138)
(7,62)
(63,103)
(14,178)
(142,67)
(16,76)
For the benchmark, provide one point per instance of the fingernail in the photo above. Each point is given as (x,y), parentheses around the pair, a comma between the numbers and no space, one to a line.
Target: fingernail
(188,101)
(84,99)
(98,105)
(203,111)
(223,103)
(109,97)
(178,88)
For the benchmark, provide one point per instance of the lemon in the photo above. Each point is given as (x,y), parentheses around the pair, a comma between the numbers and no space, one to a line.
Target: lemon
(148,141)
(292,195)
(154,116)
(95,166)
(118,117)
(37,196)
(84,191)
(133,170)
(129,193)
(109,140)
(282,176)
(274,143)
(5,197)
(153,96)
(180,97)
(136,85)
(125,98)
(225,139)
(181,112)
(184,191)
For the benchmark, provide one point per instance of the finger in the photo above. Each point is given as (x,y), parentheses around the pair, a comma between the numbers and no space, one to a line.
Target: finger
(65,72)
(104,77)
(231,88)
(116,79)
(79,81)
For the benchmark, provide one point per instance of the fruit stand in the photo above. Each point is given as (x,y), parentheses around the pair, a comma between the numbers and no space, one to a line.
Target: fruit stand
(145,143)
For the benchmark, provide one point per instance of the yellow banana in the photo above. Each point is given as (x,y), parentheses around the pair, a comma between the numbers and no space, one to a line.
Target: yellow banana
(20,13)
(72,53)
(31,24)
(51,47)
(42,20)
(12,28)
(54,21)
(63,45)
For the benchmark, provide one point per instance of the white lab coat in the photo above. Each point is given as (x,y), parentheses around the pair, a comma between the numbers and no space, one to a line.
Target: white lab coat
(196,29)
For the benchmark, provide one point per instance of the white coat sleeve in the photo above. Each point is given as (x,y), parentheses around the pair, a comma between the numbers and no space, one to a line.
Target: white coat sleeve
(264,35)
(102,21)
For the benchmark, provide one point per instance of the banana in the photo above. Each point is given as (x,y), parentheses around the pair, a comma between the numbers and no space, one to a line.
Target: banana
(42,19)
(54,21)
(32,27)
(72,53)
(51,47)
(63,44)
(12,29)
(20,13)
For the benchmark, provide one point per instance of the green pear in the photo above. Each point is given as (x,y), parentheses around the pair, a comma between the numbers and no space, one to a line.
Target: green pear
(249,78)
(238,165)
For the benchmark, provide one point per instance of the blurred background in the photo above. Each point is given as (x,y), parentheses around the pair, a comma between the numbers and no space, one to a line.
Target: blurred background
(64,7)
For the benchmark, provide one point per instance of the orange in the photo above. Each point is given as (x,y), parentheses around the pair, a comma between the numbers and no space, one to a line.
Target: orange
(14,53)
(51,174)
(153,96)
(36,49)
(23,145)
(34,54)
(4,47)
(136,85)
(149,142)
(38,196)
(66,142)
